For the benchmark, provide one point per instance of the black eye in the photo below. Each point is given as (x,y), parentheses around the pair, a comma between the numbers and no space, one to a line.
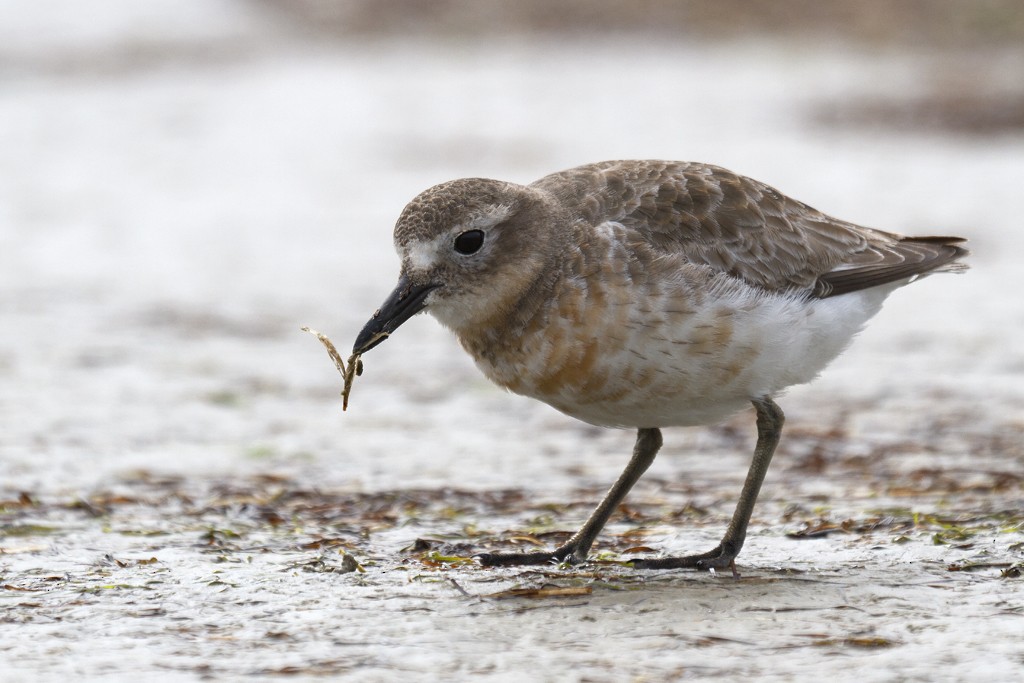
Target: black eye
(469,242)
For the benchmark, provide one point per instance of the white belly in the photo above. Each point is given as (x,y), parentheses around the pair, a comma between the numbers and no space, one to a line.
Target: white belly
(661,365)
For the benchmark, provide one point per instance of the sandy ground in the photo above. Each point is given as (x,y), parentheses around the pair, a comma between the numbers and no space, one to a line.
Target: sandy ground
(181,497)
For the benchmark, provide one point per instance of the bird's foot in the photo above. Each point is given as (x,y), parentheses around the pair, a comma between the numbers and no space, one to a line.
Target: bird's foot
(564,553)
(723,556)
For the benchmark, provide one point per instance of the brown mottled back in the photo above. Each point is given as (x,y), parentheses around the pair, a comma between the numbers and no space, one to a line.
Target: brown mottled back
(743,227)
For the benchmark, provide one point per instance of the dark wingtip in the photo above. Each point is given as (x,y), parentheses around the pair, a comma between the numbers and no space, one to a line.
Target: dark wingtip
(907,258)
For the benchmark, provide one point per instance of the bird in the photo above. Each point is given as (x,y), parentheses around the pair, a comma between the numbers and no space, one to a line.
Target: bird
(646,294)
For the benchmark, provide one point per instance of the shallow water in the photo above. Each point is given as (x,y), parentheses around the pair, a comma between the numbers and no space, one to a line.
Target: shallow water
(179,487)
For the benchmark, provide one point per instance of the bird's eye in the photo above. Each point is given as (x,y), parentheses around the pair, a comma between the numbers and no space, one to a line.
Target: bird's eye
(469,242)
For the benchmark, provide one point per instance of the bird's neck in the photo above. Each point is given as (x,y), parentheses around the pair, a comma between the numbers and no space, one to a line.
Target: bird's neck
(509,336)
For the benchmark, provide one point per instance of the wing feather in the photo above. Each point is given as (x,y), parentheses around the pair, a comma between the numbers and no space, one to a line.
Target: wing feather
(734,224)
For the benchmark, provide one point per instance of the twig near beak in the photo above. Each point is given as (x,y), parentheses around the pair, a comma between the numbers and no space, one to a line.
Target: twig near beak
(348,371)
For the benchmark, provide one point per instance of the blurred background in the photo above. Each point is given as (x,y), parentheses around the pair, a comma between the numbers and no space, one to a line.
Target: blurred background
(184,183)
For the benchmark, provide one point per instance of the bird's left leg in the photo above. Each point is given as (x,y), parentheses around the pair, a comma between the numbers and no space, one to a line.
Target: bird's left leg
(575,550)
(769,429)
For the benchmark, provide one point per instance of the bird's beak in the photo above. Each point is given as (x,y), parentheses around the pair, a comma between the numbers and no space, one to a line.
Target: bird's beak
(404,302)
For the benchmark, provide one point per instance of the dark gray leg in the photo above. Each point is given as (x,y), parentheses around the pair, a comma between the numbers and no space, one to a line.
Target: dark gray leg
(769,429)
(575,550)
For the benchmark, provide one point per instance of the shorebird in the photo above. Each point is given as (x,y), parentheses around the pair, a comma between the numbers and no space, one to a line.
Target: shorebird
(646,294)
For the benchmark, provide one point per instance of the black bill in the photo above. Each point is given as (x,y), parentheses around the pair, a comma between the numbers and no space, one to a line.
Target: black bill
(403,303)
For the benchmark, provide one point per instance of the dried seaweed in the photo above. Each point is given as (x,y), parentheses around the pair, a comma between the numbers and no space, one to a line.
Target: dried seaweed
(349,371)
(543,592)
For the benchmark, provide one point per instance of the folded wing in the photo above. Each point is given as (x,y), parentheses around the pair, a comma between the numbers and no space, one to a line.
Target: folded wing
(742,227)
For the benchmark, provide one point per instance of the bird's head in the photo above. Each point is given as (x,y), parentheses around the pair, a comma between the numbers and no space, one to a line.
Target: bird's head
(471,249)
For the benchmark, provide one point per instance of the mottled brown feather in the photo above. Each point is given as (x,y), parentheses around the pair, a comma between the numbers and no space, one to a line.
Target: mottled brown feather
(740,226)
